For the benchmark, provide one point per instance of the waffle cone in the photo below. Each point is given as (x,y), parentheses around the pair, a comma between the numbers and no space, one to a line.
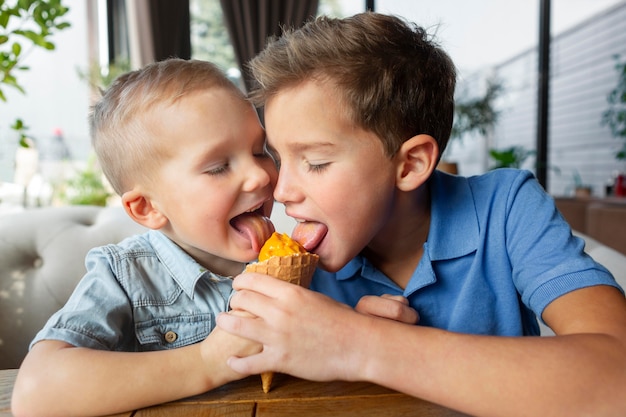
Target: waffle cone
(297,269)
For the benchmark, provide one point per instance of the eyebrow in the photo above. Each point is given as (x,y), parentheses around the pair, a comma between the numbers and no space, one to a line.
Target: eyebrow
(302,146)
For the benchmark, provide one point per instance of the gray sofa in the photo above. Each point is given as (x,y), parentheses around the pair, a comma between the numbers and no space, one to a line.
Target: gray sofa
(42,255)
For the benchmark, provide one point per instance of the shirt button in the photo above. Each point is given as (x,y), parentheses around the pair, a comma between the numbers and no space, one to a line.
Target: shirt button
(170,337)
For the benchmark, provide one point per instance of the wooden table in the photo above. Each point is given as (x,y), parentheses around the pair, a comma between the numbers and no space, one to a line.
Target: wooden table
(289,397)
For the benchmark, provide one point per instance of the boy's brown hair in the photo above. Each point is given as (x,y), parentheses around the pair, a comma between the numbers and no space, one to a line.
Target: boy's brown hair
(120,133)
(394,80)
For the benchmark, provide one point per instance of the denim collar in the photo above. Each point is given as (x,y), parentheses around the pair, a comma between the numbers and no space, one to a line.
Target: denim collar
(185,270)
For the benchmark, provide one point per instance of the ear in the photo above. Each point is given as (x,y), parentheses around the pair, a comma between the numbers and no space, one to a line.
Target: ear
(141,209)
(417,159)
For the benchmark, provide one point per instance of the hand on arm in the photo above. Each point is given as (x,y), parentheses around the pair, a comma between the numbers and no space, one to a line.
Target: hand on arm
(393,307)
(68,380)
(581,371)
(298,328)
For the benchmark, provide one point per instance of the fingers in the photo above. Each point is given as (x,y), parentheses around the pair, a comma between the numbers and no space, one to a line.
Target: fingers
(398,298)
(241,324)
(241,313)
(249,365)
(392,307)
(260,294)
(244,325)
(257,282)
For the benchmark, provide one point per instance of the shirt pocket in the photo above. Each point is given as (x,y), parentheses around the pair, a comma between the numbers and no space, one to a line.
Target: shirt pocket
(173,332)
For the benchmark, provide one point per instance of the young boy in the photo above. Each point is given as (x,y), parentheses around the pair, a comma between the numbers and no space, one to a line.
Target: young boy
(185,151)
(358,112)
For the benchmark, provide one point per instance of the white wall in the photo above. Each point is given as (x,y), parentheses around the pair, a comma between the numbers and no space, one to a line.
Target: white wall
(582,74)
(55,95)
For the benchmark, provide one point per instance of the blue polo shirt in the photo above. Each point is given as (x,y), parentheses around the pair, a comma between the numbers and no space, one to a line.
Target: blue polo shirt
(498,252)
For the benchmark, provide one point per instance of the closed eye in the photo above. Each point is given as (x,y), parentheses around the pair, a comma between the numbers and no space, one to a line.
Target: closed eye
(263,154)
(220,170)
(318,167)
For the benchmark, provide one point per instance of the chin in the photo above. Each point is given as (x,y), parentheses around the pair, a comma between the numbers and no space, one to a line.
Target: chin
(331,266)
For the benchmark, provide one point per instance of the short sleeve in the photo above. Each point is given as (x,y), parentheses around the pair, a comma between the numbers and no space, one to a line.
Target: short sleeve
(97,313)
(547,260)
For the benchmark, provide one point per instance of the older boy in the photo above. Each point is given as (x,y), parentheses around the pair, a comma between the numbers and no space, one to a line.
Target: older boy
(358,111)
(185,151)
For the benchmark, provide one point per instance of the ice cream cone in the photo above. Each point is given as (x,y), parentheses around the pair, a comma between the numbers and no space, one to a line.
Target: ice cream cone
(297,269)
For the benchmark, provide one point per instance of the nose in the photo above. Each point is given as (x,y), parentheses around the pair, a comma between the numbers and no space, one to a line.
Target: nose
(259,175)
(286,190)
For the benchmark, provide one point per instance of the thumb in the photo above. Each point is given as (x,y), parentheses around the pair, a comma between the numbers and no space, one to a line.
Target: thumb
(246,366)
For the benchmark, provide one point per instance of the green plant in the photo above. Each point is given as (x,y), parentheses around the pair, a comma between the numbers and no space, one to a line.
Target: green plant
(87,187)
(98,77)
(20,128)
(578,181)
(512,157)
(581,189)
(477,115)
(32,22)
(615,115)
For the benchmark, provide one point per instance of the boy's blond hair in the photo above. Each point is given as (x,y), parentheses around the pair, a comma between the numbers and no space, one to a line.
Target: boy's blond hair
(392,78)
(120,133)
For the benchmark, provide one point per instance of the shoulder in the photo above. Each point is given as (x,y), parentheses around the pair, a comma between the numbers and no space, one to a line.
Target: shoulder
(460,199)
(133,246)
(502,180)
(505,188)
(492,181)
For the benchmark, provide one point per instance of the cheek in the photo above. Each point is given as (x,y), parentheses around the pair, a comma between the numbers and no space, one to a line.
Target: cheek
(366,198)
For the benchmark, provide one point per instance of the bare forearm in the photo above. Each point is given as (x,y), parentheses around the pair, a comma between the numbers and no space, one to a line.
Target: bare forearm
(75,381)
(495,376)
(582,372)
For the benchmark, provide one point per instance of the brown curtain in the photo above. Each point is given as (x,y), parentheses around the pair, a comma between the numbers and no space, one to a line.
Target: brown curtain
(171,29)
(144,31)
(251,22)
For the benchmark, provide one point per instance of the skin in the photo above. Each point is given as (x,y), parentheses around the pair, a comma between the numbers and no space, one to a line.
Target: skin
(220,152)
(580,371)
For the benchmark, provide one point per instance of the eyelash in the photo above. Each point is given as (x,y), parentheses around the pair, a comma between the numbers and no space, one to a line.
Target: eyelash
(318,168)
(263,154)
(221,170)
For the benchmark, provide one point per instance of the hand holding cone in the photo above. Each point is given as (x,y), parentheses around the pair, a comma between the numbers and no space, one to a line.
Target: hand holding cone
(285,259)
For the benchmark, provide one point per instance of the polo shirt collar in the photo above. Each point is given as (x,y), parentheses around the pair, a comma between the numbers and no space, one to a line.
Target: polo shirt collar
(453,215)
(454,229)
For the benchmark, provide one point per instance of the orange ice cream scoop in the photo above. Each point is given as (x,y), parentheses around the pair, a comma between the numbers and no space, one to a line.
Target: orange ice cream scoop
(279,244)
(285,259)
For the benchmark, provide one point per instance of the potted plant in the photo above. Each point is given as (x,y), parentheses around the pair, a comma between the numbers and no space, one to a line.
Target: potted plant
(32,22)
(86,187)
(512,157)
(581,190)
(473,116)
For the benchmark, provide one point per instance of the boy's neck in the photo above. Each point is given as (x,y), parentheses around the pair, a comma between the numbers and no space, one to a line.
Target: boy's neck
(398,249)
(214,263)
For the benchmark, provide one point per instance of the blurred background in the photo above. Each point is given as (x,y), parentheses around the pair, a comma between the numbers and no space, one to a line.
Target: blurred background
(496,46)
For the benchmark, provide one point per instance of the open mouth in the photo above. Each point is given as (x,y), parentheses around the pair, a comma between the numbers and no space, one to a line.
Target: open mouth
(309,234)
(254,225)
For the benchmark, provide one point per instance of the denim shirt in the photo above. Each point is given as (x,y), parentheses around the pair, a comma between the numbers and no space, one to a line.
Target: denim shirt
(142,294)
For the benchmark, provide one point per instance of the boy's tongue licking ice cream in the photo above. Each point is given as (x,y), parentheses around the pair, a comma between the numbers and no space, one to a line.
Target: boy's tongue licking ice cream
(256,227)
(287,260)
(309,234)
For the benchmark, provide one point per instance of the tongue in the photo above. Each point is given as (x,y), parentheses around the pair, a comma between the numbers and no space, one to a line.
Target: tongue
(257,228)
(309,234)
